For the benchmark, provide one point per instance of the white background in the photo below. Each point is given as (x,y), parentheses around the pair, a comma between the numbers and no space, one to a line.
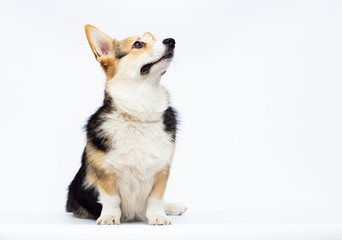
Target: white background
(258,86)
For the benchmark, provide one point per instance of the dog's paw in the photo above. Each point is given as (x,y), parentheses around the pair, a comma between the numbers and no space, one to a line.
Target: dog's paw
(175,208)
(160,219)
(108,220)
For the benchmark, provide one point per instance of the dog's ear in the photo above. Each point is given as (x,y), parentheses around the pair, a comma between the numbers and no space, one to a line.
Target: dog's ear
(101,44)
(149,36)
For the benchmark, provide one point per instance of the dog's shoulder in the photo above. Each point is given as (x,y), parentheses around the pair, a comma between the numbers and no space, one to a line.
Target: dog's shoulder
(95,133)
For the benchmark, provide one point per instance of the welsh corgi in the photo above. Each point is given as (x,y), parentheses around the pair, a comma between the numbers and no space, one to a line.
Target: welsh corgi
(131,138)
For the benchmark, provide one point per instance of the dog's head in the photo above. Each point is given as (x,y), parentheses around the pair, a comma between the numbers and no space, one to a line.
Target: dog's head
(133,58)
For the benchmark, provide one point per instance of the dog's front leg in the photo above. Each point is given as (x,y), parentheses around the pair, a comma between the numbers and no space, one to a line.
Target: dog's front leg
(110,200)
(155,212)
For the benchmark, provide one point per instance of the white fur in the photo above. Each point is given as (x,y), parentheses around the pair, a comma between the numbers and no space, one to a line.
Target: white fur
(128,70)
(141,150)
(174,208)
(155,212)
(141,99)
(141,147)
(111,213)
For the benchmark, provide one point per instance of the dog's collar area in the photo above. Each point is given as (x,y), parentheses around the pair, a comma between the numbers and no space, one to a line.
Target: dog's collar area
(147,67)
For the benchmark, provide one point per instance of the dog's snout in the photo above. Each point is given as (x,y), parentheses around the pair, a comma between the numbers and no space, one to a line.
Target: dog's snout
(170,42)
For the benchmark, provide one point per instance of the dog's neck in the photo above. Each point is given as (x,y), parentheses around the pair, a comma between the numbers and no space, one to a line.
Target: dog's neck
(139,99)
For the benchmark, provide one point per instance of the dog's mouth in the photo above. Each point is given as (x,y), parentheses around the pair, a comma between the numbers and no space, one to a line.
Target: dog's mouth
(147,67)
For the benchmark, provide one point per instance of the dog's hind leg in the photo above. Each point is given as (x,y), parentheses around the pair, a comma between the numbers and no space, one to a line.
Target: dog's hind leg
(174,208)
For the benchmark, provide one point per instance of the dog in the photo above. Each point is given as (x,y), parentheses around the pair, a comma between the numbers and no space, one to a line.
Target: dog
(131,138)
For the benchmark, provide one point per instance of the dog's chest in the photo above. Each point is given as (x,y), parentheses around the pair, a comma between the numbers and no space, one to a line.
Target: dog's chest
(140,147)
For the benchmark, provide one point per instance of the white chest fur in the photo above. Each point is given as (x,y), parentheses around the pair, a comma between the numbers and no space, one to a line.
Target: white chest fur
(140,146)
(140,150)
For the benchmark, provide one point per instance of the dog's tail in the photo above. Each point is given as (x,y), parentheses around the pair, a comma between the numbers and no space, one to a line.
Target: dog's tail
(174,208)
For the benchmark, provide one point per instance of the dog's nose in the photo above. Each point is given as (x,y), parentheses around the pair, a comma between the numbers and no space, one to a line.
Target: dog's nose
(170,42)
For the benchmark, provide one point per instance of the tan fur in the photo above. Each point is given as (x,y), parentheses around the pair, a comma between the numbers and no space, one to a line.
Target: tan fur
(135,53)
(108,184)
(109,70)
(96,160)
(119,46)
(103,59)
(96,175)
(126,44)
(132,173)
(149,36)
(133,119)
(108,62)
(160,180)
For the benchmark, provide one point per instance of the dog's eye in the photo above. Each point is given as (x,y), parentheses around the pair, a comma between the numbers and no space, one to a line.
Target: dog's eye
(138,44)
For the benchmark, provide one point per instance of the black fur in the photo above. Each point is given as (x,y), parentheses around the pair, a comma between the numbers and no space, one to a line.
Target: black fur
(83,202)
(94,133)
(80,198)
(118,53)
(146,69)
(170,122)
